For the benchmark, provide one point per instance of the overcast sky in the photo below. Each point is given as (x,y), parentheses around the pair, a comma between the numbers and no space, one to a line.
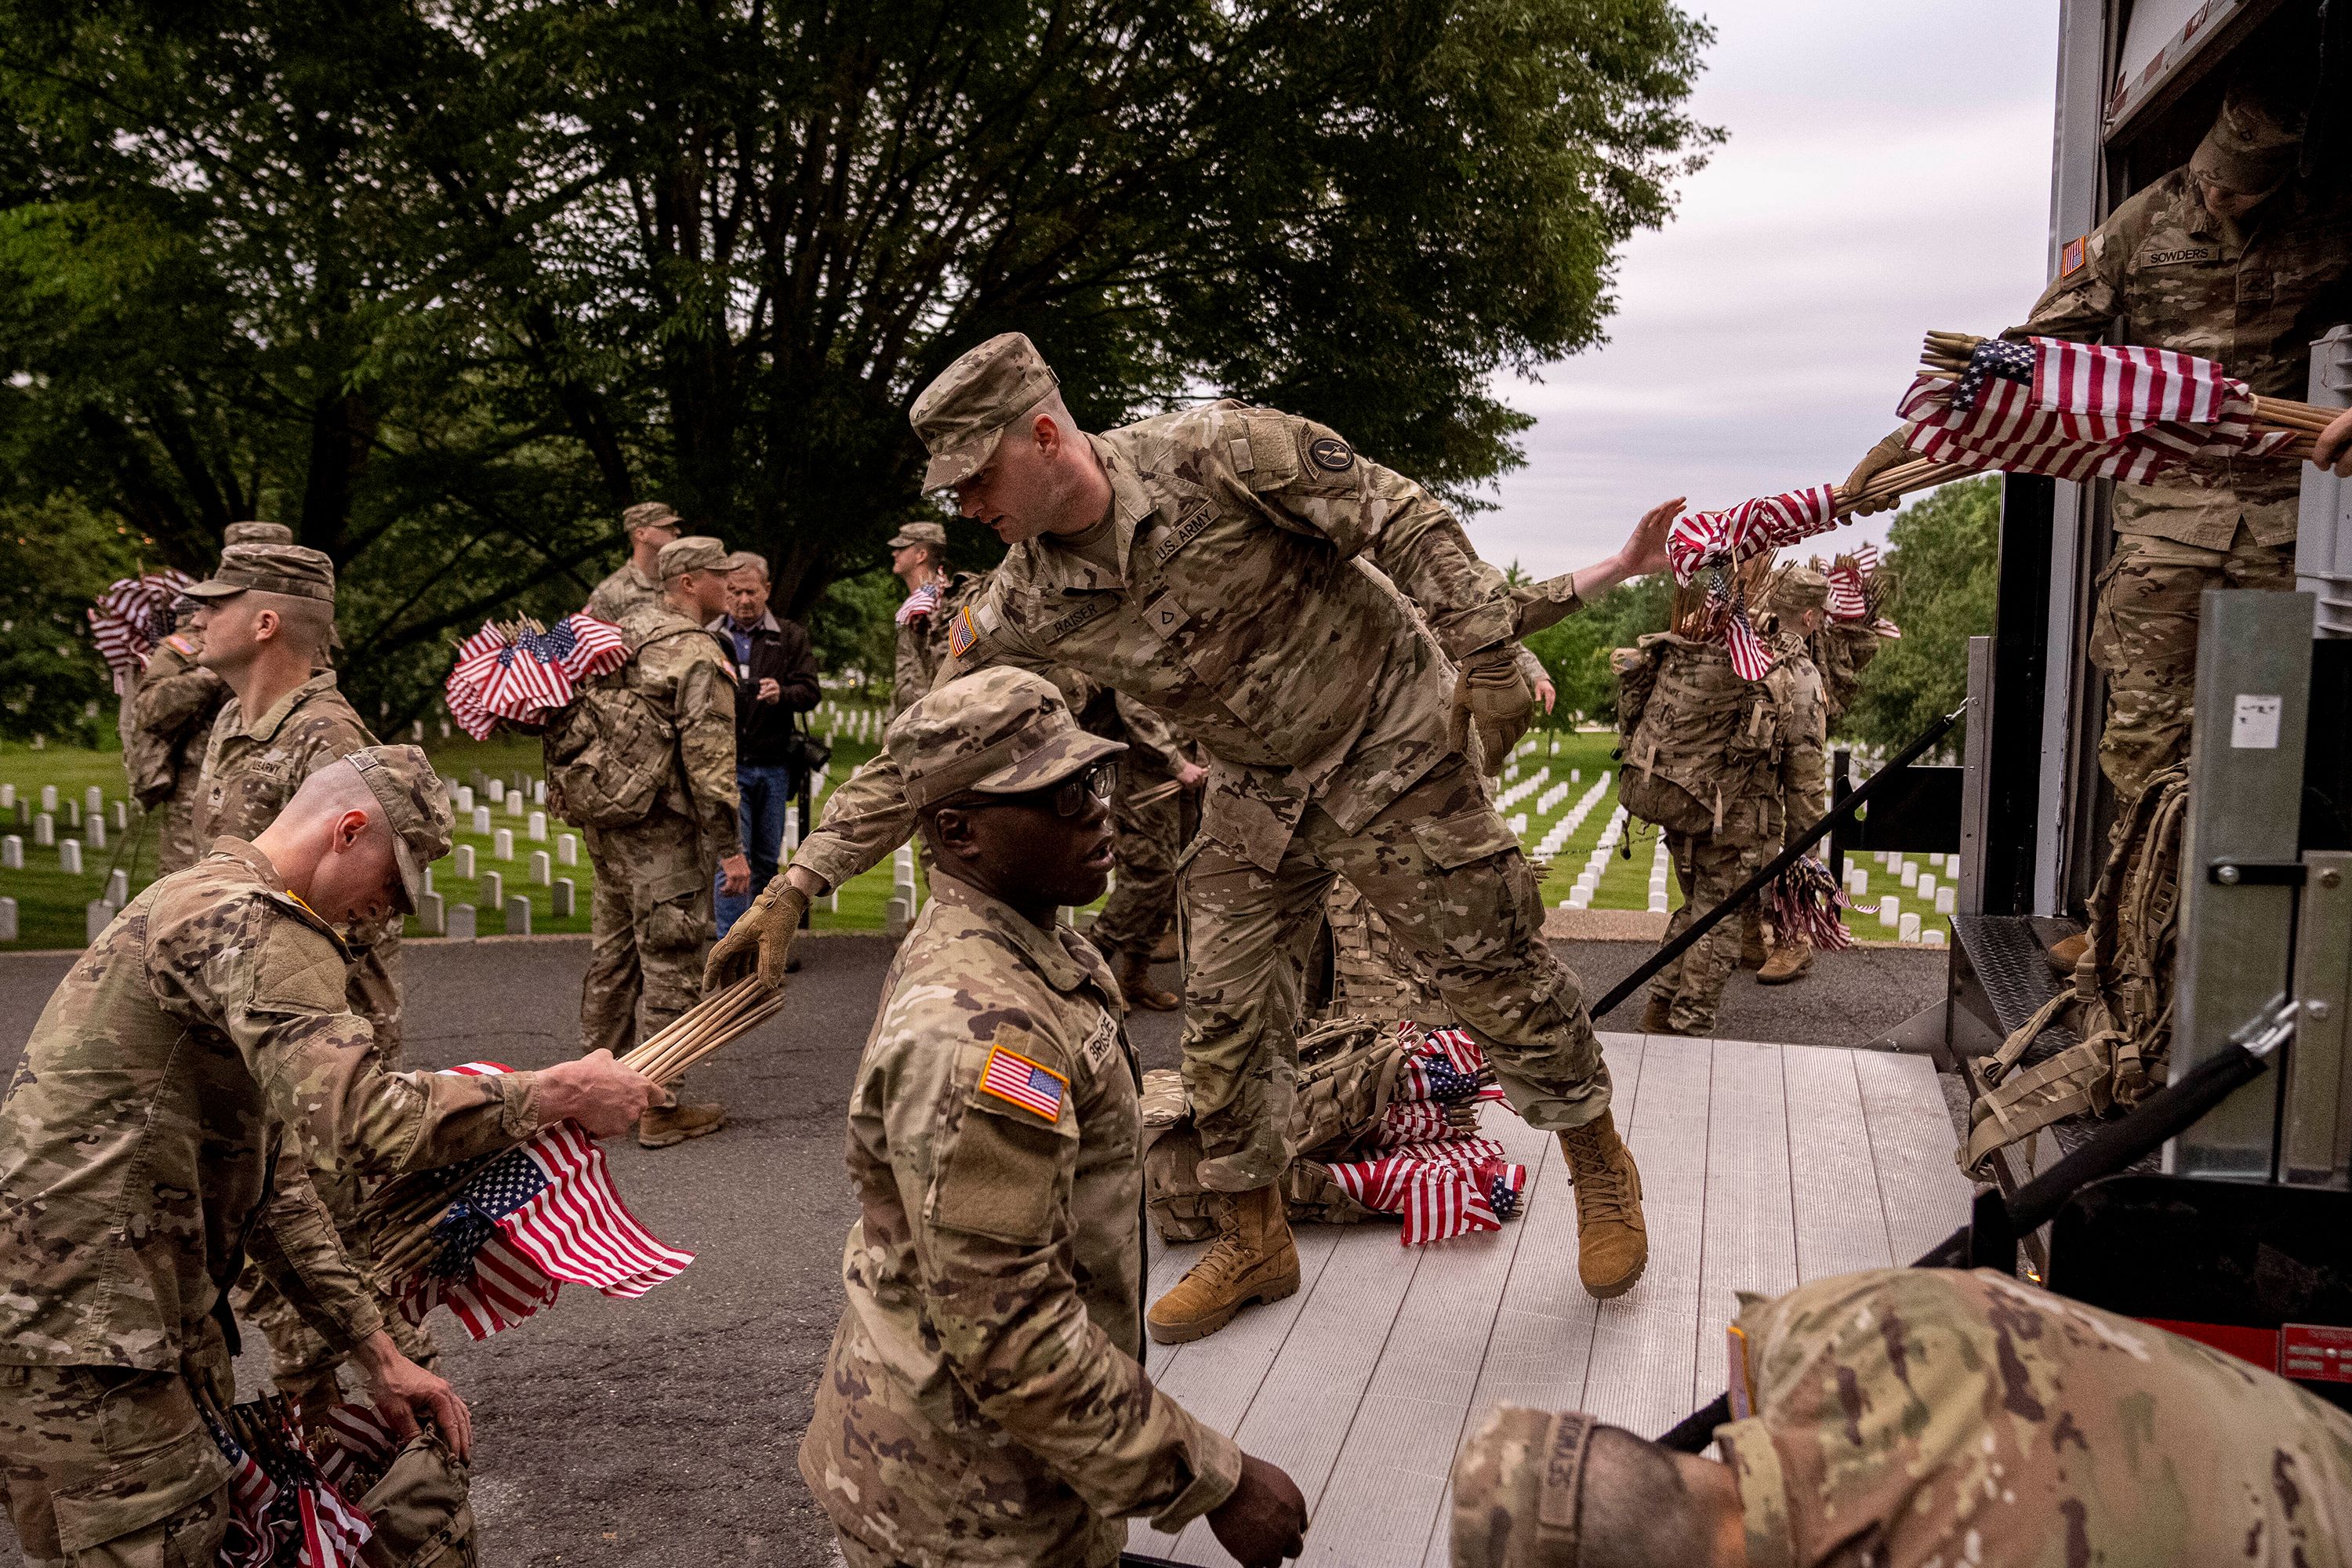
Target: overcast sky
(1887,171)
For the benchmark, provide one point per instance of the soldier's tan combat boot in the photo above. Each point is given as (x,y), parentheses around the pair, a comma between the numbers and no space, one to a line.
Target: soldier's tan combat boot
(1612,1245)
(2066,953)
(664,1125)
(1165,950)
(1657,1017)
(1252,1259)
(1135,985)
(1753,954)
(1789,962)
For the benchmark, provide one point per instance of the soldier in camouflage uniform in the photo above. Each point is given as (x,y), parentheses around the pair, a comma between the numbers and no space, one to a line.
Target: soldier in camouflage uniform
(1205,563)
(171,709)
(650,919)
(1796,625)
(1917,1417)
(984,1400)
(646,527)
(1148,834)
(918,558)
(1710,759)
(261,624)
(185,1080)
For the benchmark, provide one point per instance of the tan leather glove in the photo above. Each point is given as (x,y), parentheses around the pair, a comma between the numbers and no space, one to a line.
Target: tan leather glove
(1492,698)
(1885,455)
(761,940)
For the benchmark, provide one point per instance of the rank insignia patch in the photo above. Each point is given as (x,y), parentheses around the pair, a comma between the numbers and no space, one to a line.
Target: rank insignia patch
(1332,454)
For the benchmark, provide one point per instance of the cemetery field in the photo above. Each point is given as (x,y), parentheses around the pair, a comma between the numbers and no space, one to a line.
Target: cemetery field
(1558,793)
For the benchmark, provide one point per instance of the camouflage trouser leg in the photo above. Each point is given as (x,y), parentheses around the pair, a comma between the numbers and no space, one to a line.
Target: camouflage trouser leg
(1143,900)
(649,926)
(2144,636)
(109,1468)
(1692,985)
(1446,876)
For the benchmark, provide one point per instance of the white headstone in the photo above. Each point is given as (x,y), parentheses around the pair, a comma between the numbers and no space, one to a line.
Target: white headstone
(1910,874)
(536,830)
(1927,886)
(7,797)
(45,829)
(502,844)
(49,799)
(516,802)
(482,821)
(69,856)
(519,916)
(498,790)
(493,889)
(567,849)
(416,732)
(12,853)
(565,898)
(539,792)
(1948,900)
(122,815)
(1890,909)
(93,801)
(96,916)
(791,828)
(95,830)
(1932,937)
(432,915)
(542,872)
(465,800)
(461,922)
(7,920)
(428,878)
(464,856)
(118,886)
(1909,929)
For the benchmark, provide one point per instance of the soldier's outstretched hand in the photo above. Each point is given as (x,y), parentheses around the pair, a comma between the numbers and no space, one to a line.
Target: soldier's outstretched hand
(2333,450)
(402,1391)
(761,940)
(1264,1521)
(596,1091)
(1889,451)
(1645,547)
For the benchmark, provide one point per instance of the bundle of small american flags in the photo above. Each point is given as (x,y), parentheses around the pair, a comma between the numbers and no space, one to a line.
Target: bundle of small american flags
(522,1224)
(1430,1168)
(1708,545)
(2079,411)
(284,1507)
(132,616)
(520,670)
(1854,590)
(919,604)
(1803,902)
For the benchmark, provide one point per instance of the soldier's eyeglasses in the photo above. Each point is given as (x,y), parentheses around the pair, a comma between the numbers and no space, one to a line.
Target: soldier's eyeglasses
(1070,797)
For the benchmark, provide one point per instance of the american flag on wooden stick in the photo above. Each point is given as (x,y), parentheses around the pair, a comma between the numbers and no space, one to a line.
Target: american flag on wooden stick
(132,616)
(536,1218)
(519,671)
(919,604)
(282,1506)
(2079,411)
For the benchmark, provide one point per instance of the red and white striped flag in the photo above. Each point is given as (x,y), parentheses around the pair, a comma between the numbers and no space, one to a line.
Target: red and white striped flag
(919,604)
(132,616)
(332,1530)
(543,1215)
(2079,411)
(1723,538)
(1442,1189)
(502,674)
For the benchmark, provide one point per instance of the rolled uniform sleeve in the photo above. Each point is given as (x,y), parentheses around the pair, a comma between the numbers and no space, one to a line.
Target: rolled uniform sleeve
(1152,737)
(1321,485)
(866,817)
(705,715)
(995,1262)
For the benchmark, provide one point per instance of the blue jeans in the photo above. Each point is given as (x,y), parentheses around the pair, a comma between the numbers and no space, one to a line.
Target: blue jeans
(760,820)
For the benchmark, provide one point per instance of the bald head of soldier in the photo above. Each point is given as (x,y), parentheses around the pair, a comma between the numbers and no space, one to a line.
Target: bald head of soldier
(1538,1489)
(355,841)
(266,605)
(1011,795)
(1001,438)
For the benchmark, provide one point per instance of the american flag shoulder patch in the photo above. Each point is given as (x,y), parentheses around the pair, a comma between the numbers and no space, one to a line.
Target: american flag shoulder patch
(1033,1085)
(2071,254)
(964,632)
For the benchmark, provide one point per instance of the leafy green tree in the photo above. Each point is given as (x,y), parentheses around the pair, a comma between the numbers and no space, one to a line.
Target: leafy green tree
(1943,553)
(444,288)
(1576,650)
(55,558)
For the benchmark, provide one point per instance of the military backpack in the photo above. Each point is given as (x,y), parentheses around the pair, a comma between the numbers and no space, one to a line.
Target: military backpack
(612,754)
(1698,741)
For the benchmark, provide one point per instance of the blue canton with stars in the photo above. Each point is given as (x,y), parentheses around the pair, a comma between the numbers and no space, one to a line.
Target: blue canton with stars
(551,647)
(2011,362)
(1447,1083)
(473,1220)
(1505,1201)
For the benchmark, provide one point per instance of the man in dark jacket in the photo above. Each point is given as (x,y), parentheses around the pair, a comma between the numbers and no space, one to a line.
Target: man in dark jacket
(775,674)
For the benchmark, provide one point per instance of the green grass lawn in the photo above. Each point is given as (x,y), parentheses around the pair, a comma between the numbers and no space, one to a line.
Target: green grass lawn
(51,904)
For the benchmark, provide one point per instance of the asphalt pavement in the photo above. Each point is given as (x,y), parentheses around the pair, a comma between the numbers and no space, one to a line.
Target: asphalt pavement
(662,1431)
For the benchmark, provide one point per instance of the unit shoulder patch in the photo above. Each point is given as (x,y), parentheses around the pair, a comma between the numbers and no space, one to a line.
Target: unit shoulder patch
(1331,455)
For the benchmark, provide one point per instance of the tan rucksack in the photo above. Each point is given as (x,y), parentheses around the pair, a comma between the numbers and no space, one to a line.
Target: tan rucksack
(1347,1076)
(2120,1003)
(1701,739)
(613,750)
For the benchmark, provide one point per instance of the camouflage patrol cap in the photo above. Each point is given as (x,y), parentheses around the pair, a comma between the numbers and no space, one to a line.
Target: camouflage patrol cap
(996,732)
(649,514)
(256,533)
(1518,1489)
(2251,148)
(694,553)
(967,407)
(932,534)
(1799,589)
(415,807)
(270,569)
